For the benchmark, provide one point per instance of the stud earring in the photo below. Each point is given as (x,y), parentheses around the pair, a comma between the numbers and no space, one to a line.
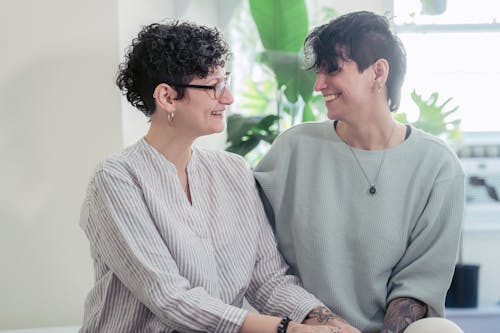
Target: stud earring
(379,88)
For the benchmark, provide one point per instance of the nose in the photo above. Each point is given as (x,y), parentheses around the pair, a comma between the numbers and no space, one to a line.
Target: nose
(320,82)
(226,97)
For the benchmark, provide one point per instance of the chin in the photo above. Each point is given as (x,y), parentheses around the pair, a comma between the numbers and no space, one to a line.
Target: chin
(220,129)
(216,129)
(332,115)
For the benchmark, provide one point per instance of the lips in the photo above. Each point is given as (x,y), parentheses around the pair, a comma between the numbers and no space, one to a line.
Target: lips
(217,113)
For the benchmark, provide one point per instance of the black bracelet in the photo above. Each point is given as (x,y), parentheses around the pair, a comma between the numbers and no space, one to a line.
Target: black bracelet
(283,324)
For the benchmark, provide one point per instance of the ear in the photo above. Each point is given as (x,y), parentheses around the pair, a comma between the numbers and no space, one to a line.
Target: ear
(164,96)
(380,73)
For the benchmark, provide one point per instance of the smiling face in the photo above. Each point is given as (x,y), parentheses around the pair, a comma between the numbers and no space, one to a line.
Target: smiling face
(199,113)
(346,91)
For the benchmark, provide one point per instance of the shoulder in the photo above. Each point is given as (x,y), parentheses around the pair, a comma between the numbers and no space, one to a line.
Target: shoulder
(221,160)
(438,152)
(302,137)
(119,164)
(310,129)
(226,167)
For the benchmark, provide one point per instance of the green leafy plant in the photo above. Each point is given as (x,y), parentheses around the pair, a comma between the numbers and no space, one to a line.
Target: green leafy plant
(282,26)
(248,131)
(434,117)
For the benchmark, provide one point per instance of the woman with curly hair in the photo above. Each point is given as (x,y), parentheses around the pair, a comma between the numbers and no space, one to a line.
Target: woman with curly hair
(178,234)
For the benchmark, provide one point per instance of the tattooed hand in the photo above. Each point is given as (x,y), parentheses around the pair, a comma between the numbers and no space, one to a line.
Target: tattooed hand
(401,312)
(302,328)
(323,316)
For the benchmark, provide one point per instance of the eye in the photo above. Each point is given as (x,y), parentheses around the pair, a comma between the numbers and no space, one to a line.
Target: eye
(219,88)
(333,69)
(220,85)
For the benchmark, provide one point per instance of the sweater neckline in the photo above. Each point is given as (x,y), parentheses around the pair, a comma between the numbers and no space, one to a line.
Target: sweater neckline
(402,145)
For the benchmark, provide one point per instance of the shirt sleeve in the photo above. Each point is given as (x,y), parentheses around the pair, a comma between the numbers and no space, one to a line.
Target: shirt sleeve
(426,269)
(121,231)
(271,290)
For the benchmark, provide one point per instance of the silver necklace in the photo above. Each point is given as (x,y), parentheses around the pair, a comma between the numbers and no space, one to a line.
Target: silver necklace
(373,189)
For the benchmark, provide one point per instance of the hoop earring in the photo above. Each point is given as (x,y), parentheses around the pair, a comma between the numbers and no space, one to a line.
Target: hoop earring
(171,116)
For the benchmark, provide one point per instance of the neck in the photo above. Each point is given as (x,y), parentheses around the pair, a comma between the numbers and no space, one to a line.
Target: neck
(373,134)
(175,148)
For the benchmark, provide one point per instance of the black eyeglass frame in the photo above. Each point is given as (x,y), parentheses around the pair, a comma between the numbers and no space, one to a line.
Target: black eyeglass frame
(226,81)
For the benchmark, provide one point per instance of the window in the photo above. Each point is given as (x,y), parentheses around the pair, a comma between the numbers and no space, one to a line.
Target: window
(456,54)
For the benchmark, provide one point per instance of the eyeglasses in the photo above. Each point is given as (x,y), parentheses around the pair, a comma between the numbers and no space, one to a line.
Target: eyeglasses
(218,88)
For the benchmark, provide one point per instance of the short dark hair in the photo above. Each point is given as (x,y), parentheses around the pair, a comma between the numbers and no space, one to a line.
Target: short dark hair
(363,37)
(168,53)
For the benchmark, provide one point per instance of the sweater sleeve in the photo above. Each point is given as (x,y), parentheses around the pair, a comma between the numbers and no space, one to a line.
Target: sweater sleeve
(271,290)
(121,231)
(426,269)
(271,175)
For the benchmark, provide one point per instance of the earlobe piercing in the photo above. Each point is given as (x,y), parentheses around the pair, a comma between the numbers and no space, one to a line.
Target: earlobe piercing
(171,116)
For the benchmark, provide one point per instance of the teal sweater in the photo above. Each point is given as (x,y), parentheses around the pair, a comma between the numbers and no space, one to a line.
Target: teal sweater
(356,251)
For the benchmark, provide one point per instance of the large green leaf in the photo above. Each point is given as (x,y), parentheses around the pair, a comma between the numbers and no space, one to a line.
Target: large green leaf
(282,24)
(239,126)
(308,114)
(245,133)
(433,117)
(244,147)
(289,72)
(306,84)
(257,96)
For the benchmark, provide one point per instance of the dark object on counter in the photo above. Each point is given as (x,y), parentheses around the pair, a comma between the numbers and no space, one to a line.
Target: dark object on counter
(464,287)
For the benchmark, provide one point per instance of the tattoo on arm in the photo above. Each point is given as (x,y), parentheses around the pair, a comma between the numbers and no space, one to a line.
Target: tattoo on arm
(401,312)
(322,315)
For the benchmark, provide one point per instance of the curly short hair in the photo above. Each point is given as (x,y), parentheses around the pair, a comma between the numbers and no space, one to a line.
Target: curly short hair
(364,37)
(168,53)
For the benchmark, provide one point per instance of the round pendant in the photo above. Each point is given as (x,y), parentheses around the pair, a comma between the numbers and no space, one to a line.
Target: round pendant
(372,190)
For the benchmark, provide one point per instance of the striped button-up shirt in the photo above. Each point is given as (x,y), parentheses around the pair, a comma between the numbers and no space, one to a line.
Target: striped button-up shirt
(164,264)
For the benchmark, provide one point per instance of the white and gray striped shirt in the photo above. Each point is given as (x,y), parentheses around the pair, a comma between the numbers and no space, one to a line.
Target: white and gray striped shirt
(163,264)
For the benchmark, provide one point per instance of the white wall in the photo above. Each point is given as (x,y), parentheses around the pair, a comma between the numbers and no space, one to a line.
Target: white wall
(59,115)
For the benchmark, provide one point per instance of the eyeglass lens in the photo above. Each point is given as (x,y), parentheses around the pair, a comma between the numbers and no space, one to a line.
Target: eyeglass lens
(221,86)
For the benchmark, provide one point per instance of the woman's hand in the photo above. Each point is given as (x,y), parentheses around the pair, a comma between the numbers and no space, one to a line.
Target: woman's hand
(324,317)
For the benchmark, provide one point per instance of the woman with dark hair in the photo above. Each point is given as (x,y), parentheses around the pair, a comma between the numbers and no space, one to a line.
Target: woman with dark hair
(372,225)
(178,234)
